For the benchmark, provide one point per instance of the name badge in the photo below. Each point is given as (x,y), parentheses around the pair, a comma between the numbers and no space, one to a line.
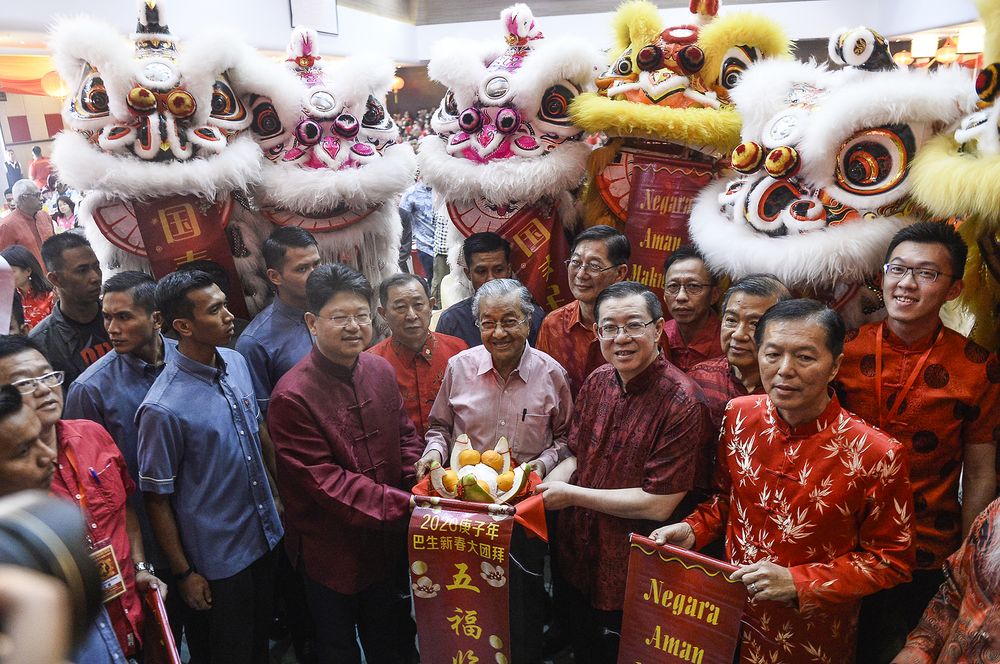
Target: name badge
(112,581)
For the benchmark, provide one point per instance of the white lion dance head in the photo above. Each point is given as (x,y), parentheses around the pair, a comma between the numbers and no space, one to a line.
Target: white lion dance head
(825,158)
(506,153)
(334,164)
(158,137)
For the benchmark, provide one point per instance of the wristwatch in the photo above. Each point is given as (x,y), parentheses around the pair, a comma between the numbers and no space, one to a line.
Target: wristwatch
(144,567)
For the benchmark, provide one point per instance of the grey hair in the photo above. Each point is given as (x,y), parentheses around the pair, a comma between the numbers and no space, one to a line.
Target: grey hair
(503,288)
(21,187)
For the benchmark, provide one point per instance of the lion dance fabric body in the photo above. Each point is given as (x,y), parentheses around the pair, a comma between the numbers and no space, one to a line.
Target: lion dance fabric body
(664,105)
(958,175)
(160,139)
(505,154)
(825,161)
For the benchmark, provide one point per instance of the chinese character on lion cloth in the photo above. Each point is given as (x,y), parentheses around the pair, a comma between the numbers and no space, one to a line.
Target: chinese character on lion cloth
(663,104)
(823,170)
(505,155)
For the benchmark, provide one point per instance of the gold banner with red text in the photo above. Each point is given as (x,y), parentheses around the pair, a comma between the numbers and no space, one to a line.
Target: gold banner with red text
(680,606)
(459,573)
(537,240)
(663,189)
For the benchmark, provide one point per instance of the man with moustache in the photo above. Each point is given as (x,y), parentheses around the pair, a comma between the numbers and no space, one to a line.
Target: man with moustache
(202,473)
(637,427)
(418,355)
(690,291)
(938,393)
(73,336)
(346,449)
(598,258)
(815,503)
(91,472)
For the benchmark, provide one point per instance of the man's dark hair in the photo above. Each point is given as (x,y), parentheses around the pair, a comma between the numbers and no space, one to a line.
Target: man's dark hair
(54,248)
(617,244)
(400,279)
(626,289)
(758,285)
(18,256)
(684,252)
(218,273)
(10,401)
(139,285)
(332,278)
(172,294)
(484,243)
(37,151)
(934,232)
(281,240)
(12,344)
(806,309)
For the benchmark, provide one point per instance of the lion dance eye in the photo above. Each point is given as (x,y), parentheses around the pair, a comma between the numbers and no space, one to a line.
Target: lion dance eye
(181,104)
(470,119)
(508,120)
(225,104)
(624,66)
(308,132)
(375,116)
(91,99)
(734,63)
(555,103)
(875,161)
(649,58)
(691,59)
(266,123)
(141,100)
(450,106)
(346,125)
(988,82)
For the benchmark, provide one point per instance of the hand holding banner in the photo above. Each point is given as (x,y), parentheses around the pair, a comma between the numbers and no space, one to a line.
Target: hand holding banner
(679,603)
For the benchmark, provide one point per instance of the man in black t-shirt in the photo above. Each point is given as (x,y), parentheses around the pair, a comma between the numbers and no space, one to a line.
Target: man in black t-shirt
(73,335)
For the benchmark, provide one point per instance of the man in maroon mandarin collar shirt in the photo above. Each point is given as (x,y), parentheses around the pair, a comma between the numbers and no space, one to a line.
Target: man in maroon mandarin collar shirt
(345,451)
(690,291)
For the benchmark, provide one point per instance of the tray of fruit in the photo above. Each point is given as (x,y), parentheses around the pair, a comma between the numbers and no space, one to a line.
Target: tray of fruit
(480,477)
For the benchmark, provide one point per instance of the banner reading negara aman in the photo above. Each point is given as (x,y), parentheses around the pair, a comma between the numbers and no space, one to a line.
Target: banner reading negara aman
(458,553)
(680,606)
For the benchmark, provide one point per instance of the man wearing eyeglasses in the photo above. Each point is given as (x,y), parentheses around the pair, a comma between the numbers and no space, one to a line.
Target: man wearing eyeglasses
(937,393)
(90,471)
(637,427)
(599,258)
(690,291)
(28,225)
(346,449)
(203,477)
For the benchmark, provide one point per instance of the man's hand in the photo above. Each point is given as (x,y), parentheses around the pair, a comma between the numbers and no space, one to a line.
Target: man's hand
(423,465)
(538,467)
(196,592)
(765,580)
(144,581)
(678,534)
(557,495)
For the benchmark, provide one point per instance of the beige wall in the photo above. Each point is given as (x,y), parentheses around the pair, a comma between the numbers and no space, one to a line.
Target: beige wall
(35,108)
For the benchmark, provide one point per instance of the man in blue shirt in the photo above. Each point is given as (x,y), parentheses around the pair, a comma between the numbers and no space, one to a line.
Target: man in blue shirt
(278,338)
(487,257)
(201,470)
(416,208)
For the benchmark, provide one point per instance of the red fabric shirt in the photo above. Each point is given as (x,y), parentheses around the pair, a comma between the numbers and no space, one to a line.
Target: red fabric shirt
(39,170)
(962,622)
(36,306)
(830,500)
(30,233)
(345,452)
(419,375)
(719,384)
(954,402)
(91,471)
(646,436)
(574,345)
(705,345)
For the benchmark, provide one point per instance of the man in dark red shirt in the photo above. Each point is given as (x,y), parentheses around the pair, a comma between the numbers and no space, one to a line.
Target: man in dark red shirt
(345,451)
(637,426)
(90,470)
(418,355)
(690,291)
(736,373)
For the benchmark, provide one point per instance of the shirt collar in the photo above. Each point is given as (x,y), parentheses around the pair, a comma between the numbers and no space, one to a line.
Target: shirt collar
(642,382)
(523,367)
(822,422)
(338,371)
(574,317)
(201,371)
(919,346)
(141,365)
(407,355)
(286,310)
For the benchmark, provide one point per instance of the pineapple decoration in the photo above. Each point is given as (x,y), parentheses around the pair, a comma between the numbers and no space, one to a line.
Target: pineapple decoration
(486,477)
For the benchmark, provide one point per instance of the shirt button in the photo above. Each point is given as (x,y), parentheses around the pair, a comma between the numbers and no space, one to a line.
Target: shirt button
(93,526)
(242,432)
(79,497)
(249,458)
(260,507)
(255,482)
(502,423)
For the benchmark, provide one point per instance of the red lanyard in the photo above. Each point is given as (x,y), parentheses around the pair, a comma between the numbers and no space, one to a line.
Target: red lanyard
(898,402)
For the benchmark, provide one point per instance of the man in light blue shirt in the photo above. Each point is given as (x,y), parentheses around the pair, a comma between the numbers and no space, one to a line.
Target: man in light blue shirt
(202,473)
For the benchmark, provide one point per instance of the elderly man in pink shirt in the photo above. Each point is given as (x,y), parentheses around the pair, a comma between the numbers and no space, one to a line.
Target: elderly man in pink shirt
(28,225)
(507,388)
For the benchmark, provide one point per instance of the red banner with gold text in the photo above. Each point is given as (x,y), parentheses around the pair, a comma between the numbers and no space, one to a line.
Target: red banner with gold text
(537,239)
(680,606)
(459,553)
(662,192)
